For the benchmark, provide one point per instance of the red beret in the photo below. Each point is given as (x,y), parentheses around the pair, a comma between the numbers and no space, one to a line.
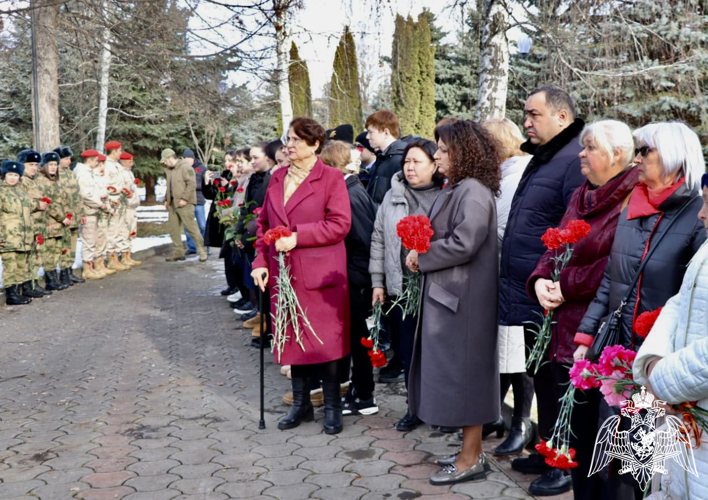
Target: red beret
(126,156)
(102,157)
(113,145)
(89,153)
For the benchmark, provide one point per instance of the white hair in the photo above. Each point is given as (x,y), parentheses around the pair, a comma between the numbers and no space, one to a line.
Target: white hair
(611,136)
(679,149)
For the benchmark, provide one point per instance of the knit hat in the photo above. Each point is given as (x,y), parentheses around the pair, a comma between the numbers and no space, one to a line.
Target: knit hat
(126,156)
(50,156)
(364,142)
(188,153)
(12,167)
(111,145)
(344,133)
(29,156)
(64,152)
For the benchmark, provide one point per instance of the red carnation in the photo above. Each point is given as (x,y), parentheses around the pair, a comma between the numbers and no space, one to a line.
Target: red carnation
(46,200)
(227,203)
(40,239)
(257,211)
(69,216)
(239,190)
(645,322)
(198,170)
(217,182)
(415,232)
(544,450)
(222,189)
(552,238)
(112,189)
(64,251)
(137,182)
(575,231)
(378,359)
(368,343)
(133,234)
(233,183)
(272,235)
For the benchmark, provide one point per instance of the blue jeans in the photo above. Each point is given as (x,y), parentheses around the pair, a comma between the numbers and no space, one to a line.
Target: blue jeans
(201,222)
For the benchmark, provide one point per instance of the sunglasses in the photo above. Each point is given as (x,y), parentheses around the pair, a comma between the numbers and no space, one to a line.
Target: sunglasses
(644,151)
(704,180)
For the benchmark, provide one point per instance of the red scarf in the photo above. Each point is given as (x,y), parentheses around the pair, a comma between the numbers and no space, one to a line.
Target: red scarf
(644,203)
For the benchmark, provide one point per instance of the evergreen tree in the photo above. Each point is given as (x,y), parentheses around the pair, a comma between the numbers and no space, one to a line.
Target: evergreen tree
(405,75)
(425,126)
(299,80)
(345,96)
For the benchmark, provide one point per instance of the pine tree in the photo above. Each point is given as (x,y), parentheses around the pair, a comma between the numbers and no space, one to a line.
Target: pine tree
(300,93)
(405,75)
(345,96)
(425,126)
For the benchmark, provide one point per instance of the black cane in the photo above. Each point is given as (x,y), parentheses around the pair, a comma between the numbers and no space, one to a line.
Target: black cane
(261,423)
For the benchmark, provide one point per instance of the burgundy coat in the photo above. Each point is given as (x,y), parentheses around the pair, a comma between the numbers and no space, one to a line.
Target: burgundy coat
(320,213)
(579,281)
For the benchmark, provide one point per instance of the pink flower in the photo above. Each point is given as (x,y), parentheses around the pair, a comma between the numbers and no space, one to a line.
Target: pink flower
(616,356)
(607,388)
(582,375)
(257,211)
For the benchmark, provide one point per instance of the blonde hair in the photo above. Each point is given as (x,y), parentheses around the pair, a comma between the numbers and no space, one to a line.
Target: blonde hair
(338,155)
(507,134)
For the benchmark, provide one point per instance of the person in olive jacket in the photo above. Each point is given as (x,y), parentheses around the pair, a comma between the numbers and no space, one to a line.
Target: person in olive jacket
(180,199)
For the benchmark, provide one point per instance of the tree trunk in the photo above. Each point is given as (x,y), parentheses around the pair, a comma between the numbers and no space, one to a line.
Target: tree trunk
(47,14)
(282,49)
(149,189)
(493,62)
(103,85)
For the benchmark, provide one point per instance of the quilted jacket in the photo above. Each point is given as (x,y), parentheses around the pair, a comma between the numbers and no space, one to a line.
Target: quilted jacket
(680,337)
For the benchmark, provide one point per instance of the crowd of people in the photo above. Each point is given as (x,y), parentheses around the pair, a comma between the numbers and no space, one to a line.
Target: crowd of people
(45,205)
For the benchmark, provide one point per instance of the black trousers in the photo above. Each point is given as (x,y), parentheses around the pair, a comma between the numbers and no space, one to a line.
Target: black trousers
(545,385)
(402,336)
(331,371)
(522,386)
(362,371)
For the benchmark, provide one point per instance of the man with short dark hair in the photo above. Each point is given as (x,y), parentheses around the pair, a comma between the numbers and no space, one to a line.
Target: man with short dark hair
(539,203)
(368,157)
(383,131)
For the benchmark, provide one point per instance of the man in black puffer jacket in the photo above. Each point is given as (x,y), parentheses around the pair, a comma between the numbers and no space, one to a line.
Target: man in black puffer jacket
(383,132)
(539,203)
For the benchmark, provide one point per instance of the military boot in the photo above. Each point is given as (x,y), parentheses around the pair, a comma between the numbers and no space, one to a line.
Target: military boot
(128,259)
(52,281)
(29,291)
(64,278)
(74,278)
(13,297)
(89,272)
(114,263)
(100,266)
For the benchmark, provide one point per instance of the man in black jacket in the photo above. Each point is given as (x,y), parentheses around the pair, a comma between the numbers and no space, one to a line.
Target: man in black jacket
(540,202)
(383,132)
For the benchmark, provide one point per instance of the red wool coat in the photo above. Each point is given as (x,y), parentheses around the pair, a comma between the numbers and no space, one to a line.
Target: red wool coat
(320,213)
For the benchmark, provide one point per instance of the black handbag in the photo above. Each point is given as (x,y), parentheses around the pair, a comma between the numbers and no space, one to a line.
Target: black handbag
(609,332)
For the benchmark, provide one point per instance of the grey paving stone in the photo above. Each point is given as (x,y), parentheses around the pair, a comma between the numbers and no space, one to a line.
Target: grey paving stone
(325,466)
(245,474)
(291,492)
(15,489)
(372,468)
(334,480)
(59,491)
(64,476)
(281,463)
(197,486)
(153,468)
(152,483)
(380,483)
(154,495)
(195,457)
(195,471)
(246,489)
(154,454)
(17,474)
(348,493)
(480,489)
(282,478)
(317,453)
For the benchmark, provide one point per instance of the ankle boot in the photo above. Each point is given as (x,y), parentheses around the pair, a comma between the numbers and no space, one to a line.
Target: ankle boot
(301,410)
(64,278)
(497,426)
(519,436)
(52,281)
(74,278)
(100,266)
(38,288)
(13,297)
(333,423)
(29,291)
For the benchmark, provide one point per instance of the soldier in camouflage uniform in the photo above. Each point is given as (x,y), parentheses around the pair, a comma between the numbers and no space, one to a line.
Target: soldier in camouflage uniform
(71,197)
(116,228)
(30,159)
(131,220)
(16,233)
(57,237)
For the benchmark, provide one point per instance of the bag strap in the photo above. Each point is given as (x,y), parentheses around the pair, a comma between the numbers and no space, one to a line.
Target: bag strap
(657,240)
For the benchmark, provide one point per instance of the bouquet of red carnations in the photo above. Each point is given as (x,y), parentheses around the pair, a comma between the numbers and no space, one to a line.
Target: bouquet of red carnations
(415,232)
(553,239)
(288,311)
(378,358)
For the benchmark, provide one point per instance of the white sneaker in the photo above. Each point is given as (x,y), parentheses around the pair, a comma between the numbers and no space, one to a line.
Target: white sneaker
(234,297)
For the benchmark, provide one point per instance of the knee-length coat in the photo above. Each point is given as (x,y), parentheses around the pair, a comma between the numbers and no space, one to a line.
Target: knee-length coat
(454,376)
(320,213)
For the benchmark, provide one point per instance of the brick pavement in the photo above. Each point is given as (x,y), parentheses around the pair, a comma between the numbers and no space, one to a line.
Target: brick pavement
(140,387)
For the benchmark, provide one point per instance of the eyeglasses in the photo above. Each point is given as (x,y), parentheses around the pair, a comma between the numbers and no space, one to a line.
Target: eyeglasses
(294,140)
(644,151)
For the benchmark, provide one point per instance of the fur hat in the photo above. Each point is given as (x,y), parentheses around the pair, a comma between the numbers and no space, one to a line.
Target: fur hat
(29,156)
(344,133)
(12,167)
(64,152)
(50,156)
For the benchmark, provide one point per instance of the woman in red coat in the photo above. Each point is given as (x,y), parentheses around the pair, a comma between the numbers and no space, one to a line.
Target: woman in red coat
(311,200)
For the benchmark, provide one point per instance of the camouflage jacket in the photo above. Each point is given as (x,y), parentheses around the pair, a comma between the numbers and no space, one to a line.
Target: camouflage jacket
(129,182)
(70,195)
(16,232)
(55,210)
(36,192)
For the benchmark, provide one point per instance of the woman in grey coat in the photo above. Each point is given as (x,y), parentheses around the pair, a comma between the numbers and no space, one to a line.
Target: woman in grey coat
(413,191)
(454,376)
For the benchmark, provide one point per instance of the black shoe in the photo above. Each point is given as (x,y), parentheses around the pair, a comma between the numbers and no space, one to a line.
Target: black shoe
(13,297)
(52,281)
(519,437)
(74,278)
(448,430)
(240,303)
(37,287)
(246,308)
(353,405)
(190,252)
(533,464)
(552,483)
(301,410)
(226,291)
(256,342)
(29,291)
(333,422)
(251,314)
(391,375)
(64,278)
(497,426)
(408,423)
(175,258)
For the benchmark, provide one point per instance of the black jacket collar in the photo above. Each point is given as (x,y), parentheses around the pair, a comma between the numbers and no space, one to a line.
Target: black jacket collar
(543,154)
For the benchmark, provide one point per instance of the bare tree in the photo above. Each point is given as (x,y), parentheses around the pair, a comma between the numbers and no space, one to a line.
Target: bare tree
(494,62)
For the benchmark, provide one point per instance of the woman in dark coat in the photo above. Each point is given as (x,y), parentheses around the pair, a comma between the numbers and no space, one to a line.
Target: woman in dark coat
(454,375)
(311,200)
(606,162)
(670,163)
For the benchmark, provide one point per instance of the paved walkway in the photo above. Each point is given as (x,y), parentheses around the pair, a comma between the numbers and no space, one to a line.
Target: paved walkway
(140,387)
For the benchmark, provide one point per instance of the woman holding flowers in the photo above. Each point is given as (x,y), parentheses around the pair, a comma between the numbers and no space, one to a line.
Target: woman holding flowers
(454,376)
(307,206)
(606,162)
(413,191)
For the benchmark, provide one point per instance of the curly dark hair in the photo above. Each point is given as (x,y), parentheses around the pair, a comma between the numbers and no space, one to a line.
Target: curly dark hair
(473,152)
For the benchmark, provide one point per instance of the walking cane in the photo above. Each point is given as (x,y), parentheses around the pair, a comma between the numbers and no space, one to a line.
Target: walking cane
(261,423)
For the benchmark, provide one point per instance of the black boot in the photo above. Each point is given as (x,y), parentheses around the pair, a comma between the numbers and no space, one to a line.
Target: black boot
(13,297)
(29,291)
(39,288)
(497,426)
(519,436)
(301,410)
(64,278)
(333,423)
(52,281)
(74,278)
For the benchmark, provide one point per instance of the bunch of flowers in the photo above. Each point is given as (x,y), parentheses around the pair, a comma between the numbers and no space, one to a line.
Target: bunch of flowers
(645,321)
(378,358)
(288,311)
(554,239)
(415,232)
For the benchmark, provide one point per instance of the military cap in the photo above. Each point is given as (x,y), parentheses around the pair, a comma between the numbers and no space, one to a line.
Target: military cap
(12,167)
(102,157)
(110,145)
(126,156)
(167,153)
(29,156)
(89,153)
(50,156)
(64,151)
